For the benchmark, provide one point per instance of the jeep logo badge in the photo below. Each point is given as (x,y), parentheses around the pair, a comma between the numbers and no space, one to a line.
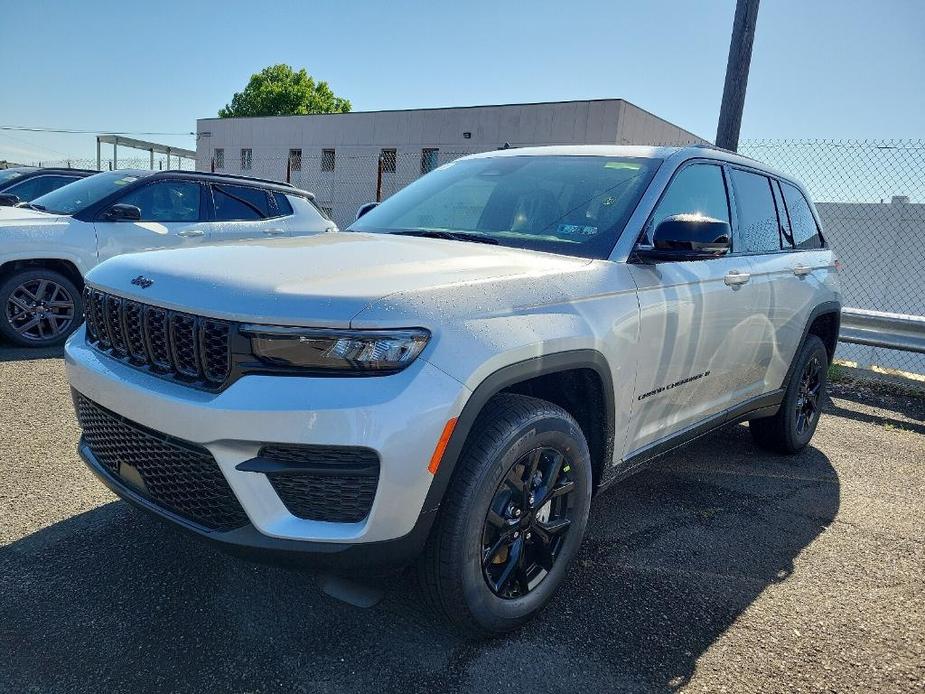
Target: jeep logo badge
(142,281)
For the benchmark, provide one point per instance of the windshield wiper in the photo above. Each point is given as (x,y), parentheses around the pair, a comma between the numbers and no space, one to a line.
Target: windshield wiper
(451,235)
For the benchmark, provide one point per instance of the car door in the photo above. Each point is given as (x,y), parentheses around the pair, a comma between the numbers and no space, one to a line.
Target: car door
(788,265)
(244,212)
(695,321)
(172,215)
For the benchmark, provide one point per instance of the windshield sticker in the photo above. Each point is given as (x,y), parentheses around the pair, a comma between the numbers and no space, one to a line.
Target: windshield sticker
(576,230)
(628,165)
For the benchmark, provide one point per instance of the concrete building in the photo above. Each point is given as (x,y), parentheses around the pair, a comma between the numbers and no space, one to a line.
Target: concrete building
(336,155)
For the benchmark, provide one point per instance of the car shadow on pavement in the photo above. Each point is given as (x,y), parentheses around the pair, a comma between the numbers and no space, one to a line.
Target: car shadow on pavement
(114,600)
(9,352)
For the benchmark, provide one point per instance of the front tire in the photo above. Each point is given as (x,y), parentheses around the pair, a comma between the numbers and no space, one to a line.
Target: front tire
(39,308)
(511,520)
(790,430)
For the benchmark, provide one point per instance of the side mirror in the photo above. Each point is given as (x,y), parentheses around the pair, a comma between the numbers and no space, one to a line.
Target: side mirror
(122,213)
(687,237)
(363,209)
(9,200)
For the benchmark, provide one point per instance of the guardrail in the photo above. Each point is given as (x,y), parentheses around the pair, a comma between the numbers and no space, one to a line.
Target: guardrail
(877,329)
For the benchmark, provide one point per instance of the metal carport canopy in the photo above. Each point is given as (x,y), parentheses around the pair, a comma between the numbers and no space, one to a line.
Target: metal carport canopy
(151,147)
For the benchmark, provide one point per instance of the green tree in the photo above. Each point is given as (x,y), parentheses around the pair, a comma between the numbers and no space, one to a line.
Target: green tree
(280,91)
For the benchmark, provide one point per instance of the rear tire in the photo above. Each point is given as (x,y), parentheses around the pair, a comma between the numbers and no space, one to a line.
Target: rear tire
(39,308)
(795,422)
(512,518)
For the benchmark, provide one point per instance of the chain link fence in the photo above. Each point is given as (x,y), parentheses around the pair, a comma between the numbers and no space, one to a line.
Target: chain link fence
(870,195)
(160,163)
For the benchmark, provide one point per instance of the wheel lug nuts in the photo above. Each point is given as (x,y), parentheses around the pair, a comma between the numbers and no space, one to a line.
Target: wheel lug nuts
(532,499)
(516,513)
(516,535)
(528,536)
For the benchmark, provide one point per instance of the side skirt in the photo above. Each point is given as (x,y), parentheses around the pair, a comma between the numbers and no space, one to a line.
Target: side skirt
(755,408)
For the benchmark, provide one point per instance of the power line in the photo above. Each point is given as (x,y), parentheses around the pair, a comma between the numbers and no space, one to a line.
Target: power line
(70,131)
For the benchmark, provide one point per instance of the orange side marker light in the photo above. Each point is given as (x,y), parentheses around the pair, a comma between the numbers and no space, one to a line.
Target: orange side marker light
(441,446)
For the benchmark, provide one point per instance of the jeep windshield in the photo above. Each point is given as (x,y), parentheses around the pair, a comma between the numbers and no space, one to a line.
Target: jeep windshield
(78,195)
(573,205)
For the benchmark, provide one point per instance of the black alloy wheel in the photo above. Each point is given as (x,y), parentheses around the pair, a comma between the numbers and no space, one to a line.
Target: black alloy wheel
(526,523)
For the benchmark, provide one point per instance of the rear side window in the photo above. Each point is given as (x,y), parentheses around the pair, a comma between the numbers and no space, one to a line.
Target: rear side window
(802,223)
(697,189)
(237,203)
(283,206)
(758,228)
(34,187)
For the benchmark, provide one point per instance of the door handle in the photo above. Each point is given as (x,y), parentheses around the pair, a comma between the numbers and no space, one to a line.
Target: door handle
(734,278)
(802,270)
(191,233)
(274,232)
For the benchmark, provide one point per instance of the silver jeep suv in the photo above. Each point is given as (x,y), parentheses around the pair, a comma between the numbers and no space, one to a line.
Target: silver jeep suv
(451,379)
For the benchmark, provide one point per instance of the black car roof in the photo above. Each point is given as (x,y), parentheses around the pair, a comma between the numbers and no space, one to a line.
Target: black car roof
(233,178)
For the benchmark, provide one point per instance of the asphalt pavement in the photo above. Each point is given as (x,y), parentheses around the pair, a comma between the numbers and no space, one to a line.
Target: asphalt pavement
(723,568)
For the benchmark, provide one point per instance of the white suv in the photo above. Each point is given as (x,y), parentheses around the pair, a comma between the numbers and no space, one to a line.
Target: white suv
(452,378)
(49,244)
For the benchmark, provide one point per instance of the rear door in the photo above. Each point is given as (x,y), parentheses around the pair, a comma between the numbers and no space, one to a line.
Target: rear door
(789,263)
(245,212)
(696,321)
(173,214)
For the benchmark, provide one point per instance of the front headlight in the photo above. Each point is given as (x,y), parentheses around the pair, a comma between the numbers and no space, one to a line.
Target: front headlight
(322,349)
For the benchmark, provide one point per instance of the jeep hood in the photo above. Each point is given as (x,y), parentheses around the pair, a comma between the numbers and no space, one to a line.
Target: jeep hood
(322,280)
(23,216)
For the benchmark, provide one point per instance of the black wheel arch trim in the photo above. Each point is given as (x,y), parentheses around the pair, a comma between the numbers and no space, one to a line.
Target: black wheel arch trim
(825,308)
(506,377)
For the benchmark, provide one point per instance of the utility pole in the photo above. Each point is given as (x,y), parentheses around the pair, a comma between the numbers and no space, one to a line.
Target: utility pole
(740,57)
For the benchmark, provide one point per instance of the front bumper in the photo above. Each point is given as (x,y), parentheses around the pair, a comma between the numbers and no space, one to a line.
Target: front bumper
(401,417)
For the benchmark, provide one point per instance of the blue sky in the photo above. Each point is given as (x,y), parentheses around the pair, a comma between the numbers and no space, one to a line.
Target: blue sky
(821,69)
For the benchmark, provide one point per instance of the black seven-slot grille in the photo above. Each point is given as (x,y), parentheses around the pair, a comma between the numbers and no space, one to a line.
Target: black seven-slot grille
(334,484)
(176,345)
(177,475)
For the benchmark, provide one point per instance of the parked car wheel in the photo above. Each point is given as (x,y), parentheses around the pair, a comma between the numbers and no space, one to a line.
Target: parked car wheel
(512,519)
(795,422)
(40,308)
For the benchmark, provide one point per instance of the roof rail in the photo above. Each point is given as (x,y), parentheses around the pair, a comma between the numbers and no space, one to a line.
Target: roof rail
(234,177)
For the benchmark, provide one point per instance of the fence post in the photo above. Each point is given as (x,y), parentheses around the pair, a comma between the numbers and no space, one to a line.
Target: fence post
(379,180)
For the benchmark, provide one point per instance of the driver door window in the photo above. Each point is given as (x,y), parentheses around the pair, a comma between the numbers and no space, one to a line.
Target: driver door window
(167,201)
(171,216)
(697,189)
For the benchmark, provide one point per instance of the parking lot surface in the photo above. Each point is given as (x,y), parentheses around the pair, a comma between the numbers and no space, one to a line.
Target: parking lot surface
(721,569)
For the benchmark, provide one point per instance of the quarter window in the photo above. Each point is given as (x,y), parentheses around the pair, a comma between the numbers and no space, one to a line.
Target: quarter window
(802,223)
(247,159)
(283,206)
(166,201)
(328,159)
(697,189)
(237,203)
(759,231)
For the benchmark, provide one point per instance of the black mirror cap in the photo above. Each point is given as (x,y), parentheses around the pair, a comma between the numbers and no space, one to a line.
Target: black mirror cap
(688,237)
(9,200)
(366,207)
(122,213)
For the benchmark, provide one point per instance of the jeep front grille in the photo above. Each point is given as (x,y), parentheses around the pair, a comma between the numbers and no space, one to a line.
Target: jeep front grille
(180,476)
(180,346)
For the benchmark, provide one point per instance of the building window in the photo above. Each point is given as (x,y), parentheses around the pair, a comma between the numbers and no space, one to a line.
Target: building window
(429,159)
(247,160)
(295,159)
(327,160)
(388,157)
(219,158)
